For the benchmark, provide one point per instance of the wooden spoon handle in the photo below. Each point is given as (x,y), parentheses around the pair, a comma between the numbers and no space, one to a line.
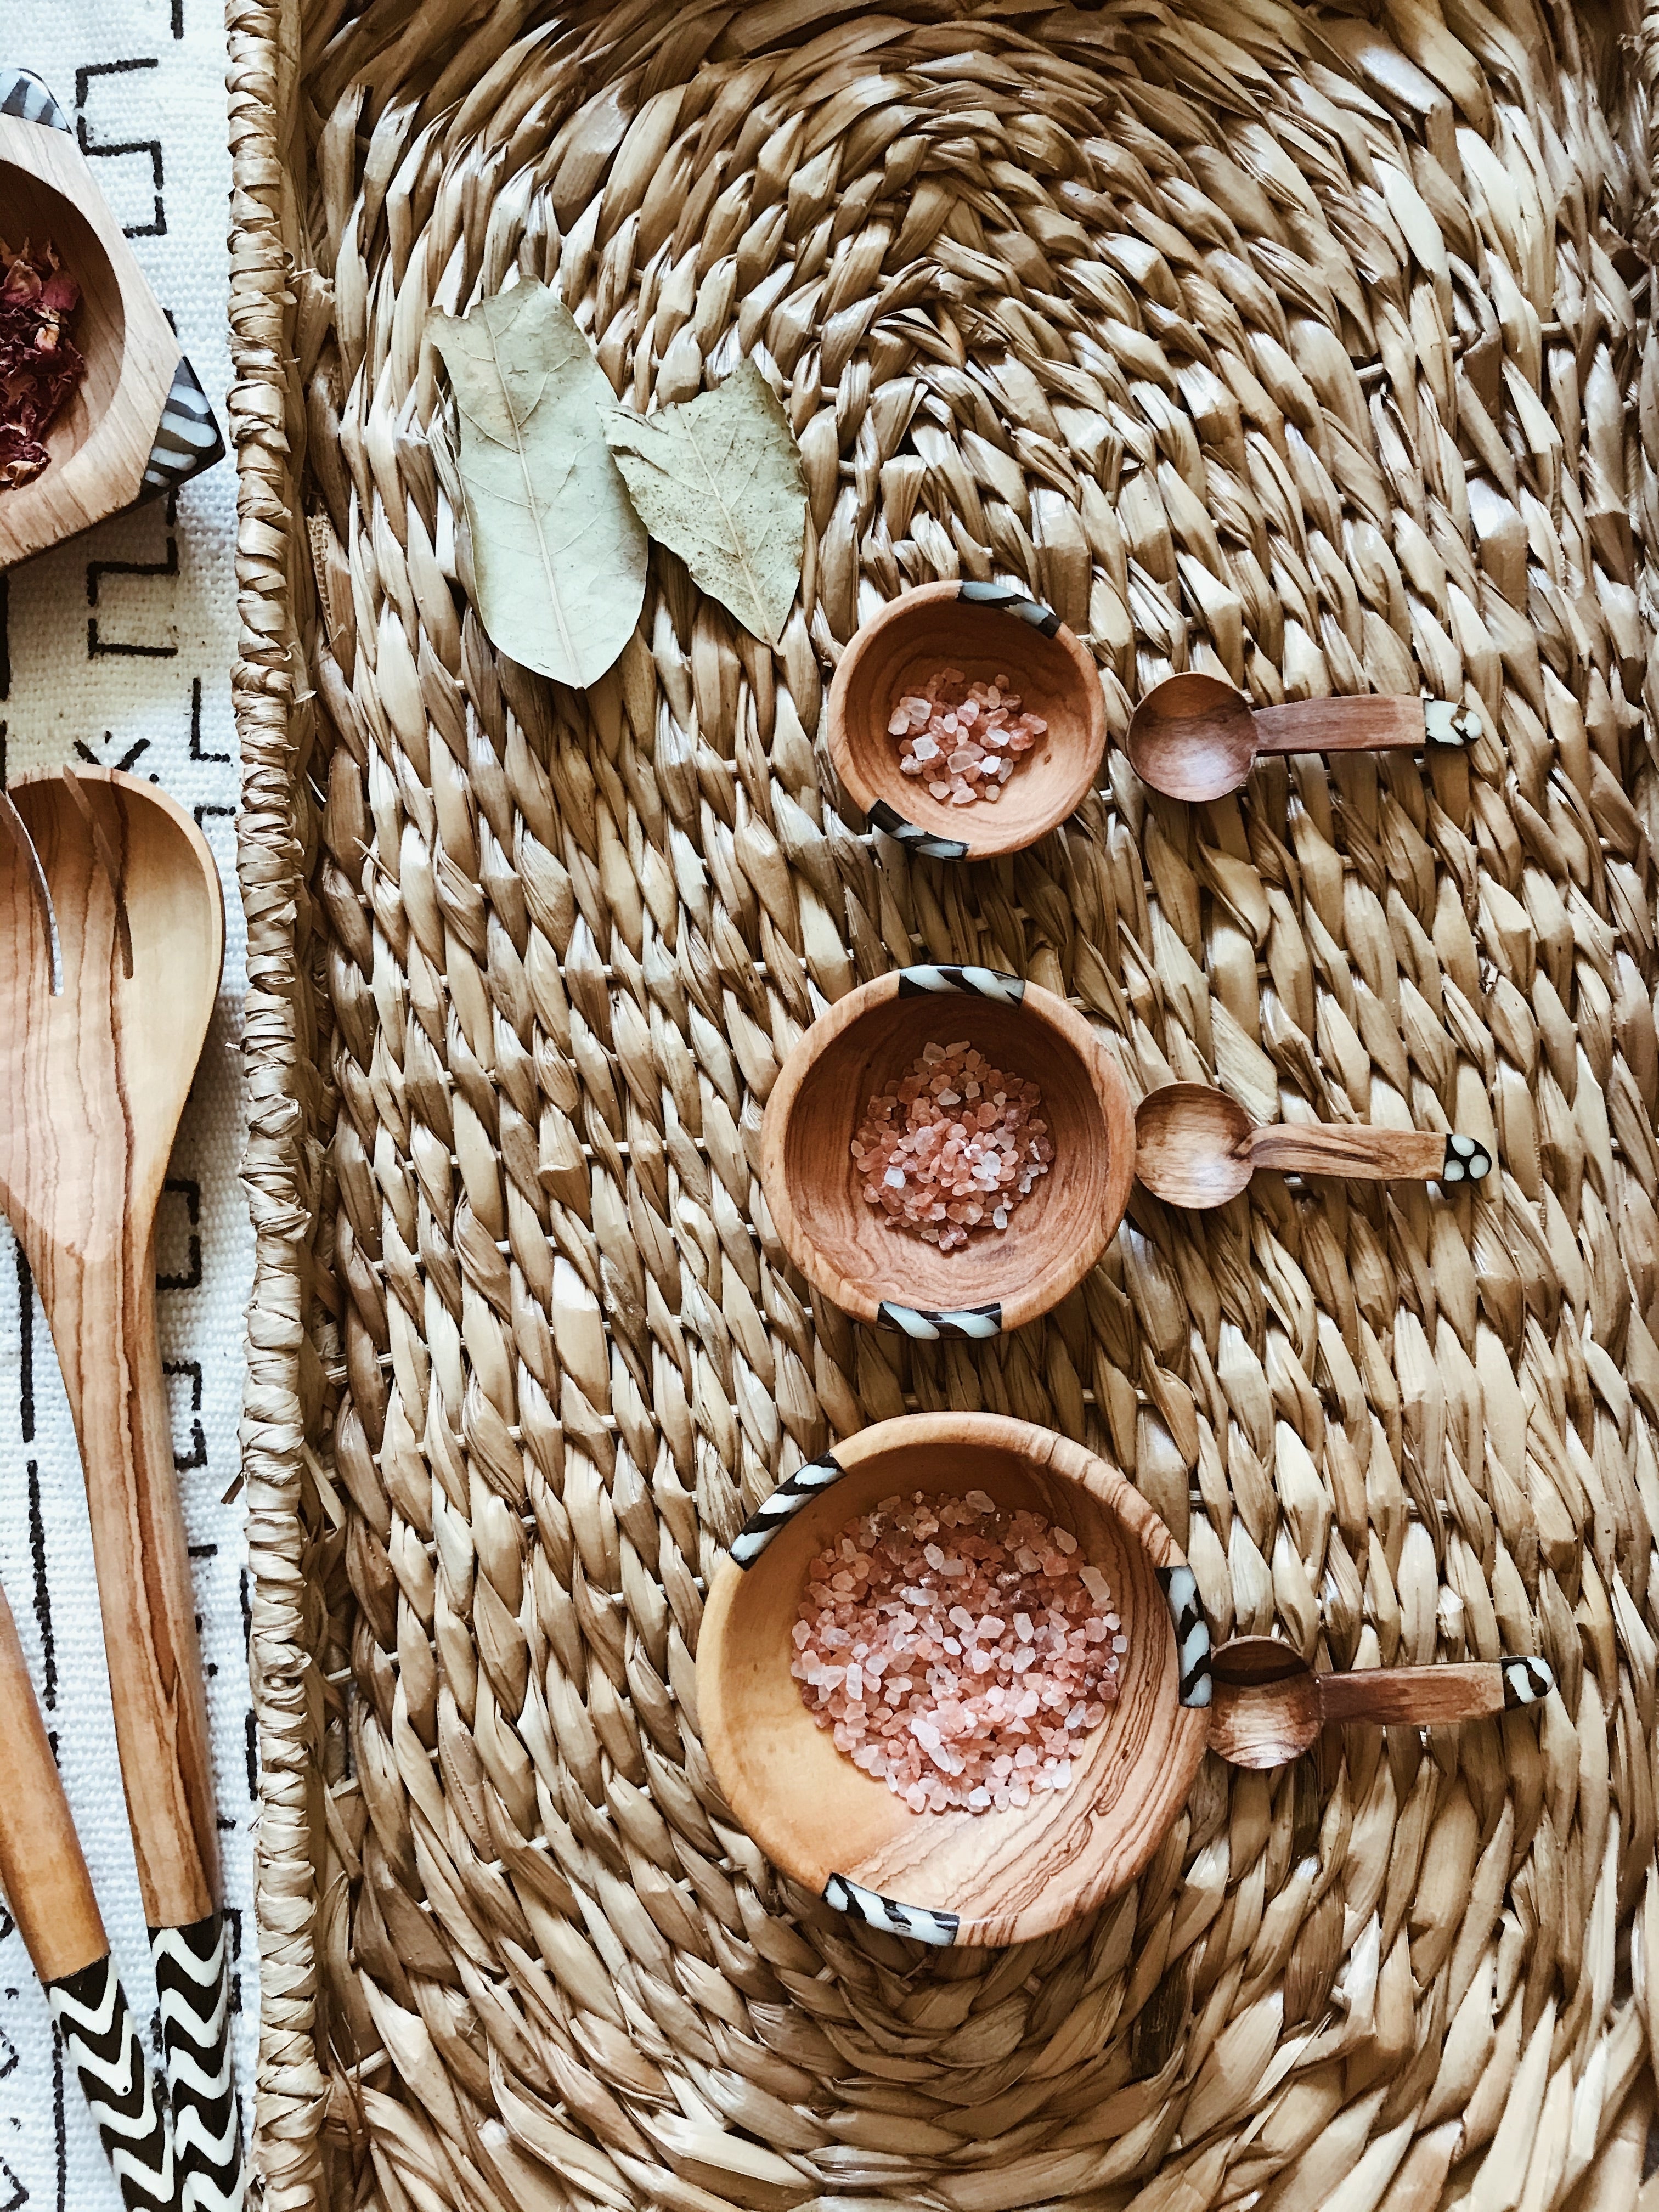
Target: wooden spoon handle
(1359,725)
(1422,1697)
(42,1871)
(51,1897)
(103,1317)
(1365,1155)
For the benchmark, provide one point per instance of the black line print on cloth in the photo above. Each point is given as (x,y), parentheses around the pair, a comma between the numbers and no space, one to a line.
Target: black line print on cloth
(197,1456)
(191,1191)
(100,646)
(196,752)
(113,149)
(132,753)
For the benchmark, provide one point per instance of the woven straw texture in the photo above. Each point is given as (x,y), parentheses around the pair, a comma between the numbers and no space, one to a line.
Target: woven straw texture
(1310,350)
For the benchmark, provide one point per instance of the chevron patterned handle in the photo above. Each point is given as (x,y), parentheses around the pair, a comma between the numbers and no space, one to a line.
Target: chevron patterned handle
(92,2018)
(192,1982)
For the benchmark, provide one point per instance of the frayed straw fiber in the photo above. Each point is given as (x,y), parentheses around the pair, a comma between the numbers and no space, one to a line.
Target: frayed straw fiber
(1309,348)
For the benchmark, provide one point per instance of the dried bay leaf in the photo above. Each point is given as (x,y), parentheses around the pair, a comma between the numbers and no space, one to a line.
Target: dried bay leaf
(558,553)
(718,479)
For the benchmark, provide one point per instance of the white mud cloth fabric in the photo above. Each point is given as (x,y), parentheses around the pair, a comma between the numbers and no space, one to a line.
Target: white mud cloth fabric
(117,648)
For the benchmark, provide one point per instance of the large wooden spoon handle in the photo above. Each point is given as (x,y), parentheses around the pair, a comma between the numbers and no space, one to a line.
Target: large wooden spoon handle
(49,1892)
(1424,1697)
(1366,1155)
(44,1875)
(103,1314)
(1360,726)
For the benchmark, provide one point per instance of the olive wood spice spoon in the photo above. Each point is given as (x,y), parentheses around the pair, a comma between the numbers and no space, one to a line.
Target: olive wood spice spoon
(1193,738)
(95,1081)
(1196,1146)
(1268,1705)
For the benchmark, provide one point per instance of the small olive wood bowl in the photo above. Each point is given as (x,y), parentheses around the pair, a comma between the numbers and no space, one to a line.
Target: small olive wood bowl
(955,1877)
(986,630)
(101,442)
(889,1276)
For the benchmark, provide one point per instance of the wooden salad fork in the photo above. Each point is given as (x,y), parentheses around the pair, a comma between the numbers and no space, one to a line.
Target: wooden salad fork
(94,1081)
(49,1892)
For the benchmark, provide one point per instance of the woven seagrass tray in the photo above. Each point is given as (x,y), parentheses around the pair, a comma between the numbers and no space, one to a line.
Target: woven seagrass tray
(1310,348)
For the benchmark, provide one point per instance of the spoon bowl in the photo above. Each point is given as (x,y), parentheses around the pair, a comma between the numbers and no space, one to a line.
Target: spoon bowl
(1188,1140)
(1192,737)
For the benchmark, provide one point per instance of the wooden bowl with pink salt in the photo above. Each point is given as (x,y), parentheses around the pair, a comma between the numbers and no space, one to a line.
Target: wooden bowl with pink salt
(947,1151)
(965,1874)
(966,721)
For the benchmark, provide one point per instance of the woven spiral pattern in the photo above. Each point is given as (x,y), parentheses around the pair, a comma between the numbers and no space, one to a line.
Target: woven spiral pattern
(1311,352)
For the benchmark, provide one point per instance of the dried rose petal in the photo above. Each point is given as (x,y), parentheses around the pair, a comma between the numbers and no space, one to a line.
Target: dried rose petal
(39,365)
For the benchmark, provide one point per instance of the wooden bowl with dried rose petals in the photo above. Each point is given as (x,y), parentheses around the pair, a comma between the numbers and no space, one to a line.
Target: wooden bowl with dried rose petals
(947,1151)
(966,721)
(953,1676)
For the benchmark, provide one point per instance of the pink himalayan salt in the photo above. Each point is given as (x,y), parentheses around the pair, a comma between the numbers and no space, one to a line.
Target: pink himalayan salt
(953,1147)
(957,1652)
(962,740)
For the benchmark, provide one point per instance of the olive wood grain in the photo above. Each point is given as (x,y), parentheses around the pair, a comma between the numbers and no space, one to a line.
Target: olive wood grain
(902,649)
(1365,725)
(1361,1154)
(48,1890)
(101,441)
(95,1081)
(866,1041)
(1009,1875)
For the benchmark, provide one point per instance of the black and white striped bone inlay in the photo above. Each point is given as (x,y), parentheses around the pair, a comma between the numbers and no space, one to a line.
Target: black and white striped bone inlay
(188,439)
(928,1328)
(92,2018)
(22,94)
(1525,1682)
(972,982)
(904,833)
(919,1922)
(1466,1160)
(193,1985)
(1447,724)
(1008,601)
(1192,1633)
(791,1494)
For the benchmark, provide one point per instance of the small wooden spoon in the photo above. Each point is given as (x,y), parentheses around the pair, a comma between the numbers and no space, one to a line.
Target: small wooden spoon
(49,1894)
(95,1081)
(1197,1147)
(1194,738)
(1268,1705)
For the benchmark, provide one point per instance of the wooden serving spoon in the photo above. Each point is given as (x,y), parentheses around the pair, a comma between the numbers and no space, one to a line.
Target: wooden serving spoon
(1194,738)
(1197,1147)
(94,1082)
(1268,1705)
(49,1892)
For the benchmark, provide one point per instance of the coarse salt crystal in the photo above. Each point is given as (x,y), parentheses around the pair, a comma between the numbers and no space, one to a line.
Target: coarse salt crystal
(948,1733)
(977,734)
